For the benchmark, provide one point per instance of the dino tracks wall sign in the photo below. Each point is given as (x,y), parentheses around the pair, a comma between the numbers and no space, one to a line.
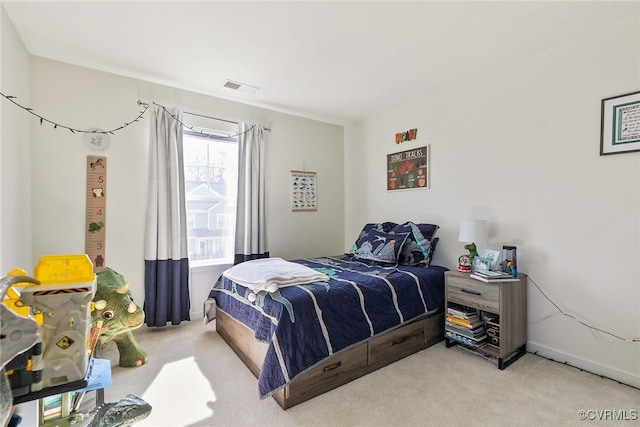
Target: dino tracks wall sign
(408,169)
(96,211)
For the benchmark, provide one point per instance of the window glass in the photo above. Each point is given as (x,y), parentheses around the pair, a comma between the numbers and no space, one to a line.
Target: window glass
(211,180)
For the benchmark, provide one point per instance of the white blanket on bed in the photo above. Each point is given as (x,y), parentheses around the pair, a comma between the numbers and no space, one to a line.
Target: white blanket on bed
(269,274)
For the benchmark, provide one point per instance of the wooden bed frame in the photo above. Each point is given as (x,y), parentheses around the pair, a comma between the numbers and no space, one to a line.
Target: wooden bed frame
(342,367)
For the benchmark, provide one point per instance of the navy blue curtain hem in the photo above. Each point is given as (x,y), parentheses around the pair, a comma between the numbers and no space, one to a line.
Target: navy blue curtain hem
(238,258)
(167,296)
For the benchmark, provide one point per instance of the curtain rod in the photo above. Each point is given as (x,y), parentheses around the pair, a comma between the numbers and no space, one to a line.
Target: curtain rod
(146,104)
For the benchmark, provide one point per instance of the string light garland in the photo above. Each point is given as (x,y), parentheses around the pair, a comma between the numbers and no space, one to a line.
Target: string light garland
(71,129)
(199,131)
(142,104)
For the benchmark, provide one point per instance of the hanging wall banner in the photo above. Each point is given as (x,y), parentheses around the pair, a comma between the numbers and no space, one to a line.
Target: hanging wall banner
(96,211)
(304,196)
(408,169)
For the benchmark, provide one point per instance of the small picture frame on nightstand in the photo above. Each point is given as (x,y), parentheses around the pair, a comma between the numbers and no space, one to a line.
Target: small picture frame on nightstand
(494,256)
(481,264)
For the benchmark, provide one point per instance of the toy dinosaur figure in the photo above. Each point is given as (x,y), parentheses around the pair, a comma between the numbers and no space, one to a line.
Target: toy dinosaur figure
(114,307)
(473,251)
(122,413)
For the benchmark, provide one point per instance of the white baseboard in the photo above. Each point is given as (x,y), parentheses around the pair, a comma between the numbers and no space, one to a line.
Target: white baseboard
(558,356)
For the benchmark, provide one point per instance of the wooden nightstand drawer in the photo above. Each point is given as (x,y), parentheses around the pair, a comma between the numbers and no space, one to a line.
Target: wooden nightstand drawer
(474,293)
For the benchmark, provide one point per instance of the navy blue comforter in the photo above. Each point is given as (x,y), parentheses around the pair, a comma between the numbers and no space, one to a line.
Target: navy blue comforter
(304,324)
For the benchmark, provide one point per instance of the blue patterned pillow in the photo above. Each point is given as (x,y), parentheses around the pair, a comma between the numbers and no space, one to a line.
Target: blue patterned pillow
(417,248)
(432,251)
(385,227)
(379,246)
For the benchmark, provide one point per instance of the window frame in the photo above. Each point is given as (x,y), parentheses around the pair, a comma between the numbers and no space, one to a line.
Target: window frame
(211,135)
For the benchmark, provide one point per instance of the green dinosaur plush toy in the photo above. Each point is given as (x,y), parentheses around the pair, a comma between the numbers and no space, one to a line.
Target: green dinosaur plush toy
(114,306)
(473,252)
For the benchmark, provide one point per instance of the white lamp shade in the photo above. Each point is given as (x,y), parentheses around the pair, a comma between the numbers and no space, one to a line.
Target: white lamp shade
(473,230)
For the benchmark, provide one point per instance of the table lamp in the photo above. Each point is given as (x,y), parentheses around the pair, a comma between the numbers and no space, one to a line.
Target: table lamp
(471,231)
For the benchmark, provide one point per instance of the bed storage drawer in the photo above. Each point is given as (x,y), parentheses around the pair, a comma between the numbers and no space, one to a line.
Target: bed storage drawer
(397,344)
(339,369)
(342,367)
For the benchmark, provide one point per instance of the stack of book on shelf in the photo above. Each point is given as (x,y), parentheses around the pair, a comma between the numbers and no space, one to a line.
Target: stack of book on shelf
(463,324)
(489,276)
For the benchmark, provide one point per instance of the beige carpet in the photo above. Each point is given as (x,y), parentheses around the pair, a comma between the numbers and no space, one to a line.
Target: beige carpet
(194,379)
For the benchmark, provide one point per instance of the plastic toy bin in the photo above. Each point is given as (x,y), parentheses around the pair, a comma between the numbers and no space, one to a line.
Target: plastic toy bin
(63,298)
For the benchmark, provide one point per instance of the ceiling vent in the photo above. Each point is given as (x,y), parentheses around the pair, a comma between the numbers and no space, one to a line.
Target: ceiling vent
(240,87)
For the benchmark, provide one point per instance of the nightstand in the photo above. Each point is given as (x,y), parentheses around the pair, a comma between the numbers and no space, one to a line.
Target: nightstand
(500,308)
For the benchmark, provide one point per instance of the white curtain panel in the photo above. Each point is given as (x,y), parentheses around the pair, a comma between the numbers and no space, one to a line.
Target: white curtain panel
(166,251)
(251,232)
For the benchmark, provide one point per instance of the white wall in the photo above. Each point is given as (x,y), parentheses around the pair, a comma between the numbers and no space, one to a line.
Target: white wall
(15,177)
(519,146)
(84,98)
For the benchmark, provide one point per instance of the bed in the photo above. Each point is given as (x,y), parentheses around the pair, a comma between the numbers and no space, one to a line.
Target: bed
(353,314)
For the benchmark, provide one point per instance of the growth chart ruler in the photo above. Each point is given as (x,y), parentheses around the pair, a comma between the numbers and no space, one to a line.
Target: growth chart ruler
(96,211)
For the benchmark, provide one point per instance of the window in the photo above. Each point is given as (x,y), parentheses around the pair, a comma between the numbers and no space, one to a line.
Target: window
(211,181)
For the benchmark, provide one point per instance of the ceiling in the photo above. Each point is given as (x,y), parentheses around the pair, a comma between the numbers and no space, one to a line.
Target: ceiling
(336,62)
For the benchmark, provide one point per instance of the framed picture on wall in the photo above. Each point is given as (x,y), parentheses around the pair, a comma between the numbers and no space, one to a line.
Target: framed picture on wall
(620,124)
(408,170)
